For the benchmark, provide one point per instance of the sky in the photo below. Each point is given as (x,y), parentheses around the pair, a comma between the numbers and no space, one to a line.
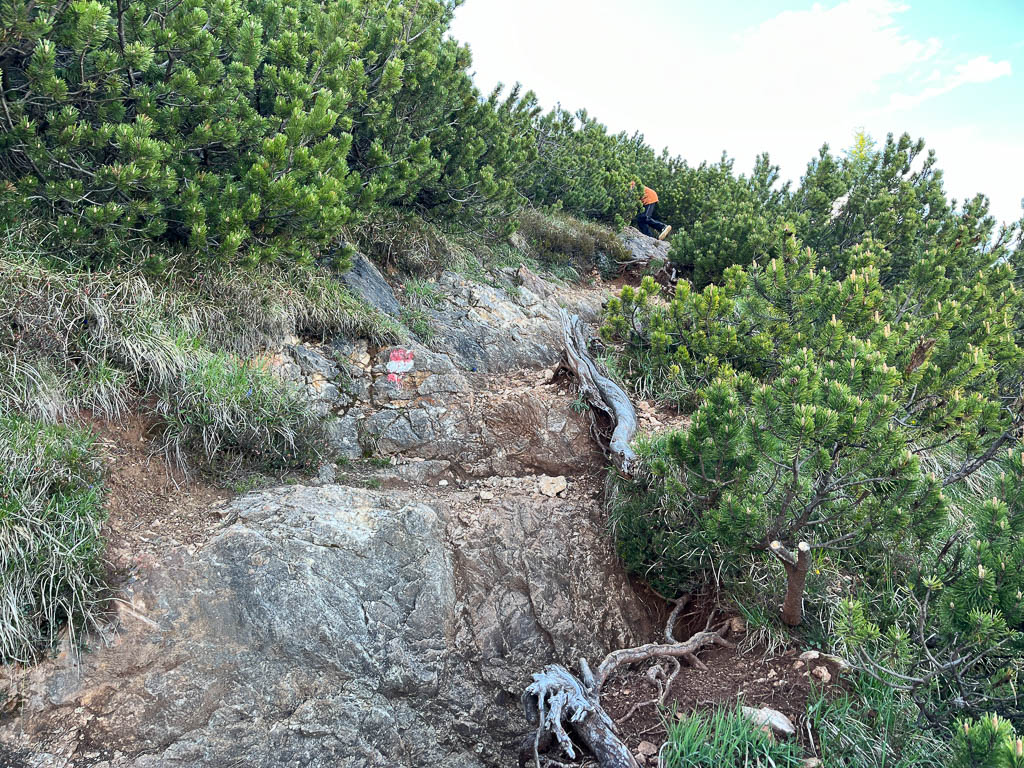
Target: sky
(748,76)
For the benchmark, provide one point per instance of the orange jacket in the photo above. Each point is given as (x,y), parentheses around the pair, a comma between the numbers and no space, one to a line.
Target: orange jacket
(650,196)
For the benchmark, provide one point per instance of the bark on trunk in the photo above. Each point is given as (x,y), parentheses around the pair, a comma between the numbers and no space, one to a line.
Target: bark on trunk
(796,567)
(603,394)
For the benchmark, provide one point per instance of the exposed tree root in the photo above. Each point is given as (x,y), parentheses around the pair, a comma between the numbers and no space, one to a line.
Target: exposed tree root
(602,393)
(557,699)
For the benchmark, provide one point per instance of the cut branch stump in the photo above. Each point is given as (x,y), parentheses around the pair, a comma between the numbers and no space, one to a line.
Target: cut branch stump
(796,567)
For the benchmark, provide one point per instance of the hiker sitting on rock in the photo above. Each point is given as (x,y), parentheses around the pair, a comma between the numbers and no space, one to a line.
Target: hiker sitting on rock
(646,219)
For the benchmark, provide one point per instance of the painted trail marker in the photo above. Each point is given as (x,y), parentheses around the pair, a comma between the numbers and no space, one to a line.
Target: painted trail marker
(400,363)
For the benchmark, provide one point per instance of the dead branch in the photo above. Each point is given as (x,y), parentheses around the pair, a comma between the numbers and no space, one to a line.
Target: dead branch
(602,393)
(557,698)
(686,650)
(670,625)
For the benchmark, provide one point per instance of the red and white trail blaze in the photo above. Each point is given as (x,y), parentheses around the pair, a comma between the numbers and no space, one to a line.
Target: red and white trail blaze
(400,363)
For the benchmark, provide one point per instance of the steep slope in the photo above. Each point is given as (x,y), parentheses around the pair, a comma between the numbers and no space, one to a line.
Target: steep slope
(340,625)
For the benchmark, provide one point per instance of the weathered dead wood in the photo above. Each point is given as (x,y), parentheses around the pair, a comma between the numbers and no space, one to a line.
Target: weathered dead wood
(796,567)
(557,698)
(602,393)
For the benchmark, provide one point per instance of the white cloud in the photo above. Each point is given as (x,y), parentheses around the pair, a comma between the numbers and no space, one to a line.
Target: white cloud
(980,69)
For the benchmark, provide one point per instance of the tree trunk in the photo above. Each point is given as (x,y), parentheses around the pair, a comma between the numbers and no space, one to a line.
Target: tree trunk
(796,567)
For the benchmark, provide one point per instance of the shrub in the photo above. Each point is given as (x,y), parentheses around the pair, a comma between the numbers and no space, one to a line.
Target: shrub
(954,645)
(51,512)
(583,169)
(856,417)
(722,219)
(988,742)
(235,128)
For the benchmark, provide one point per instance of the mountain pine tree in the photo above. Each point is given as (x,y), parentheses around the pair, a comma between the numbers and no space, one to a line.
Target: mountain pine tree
(243,128)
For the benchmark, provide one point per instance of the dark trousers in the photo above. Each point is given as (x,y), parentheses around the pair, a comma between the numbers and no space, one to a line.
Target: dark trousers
(646,220)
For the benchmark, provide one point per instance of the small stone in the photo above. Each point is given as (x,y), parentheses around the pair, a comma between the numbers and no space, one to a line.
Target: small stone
(809,656)
(812,762)
(822,674)
(798,665)
(442,483)
(737,625)
(766,716)
(327,473)
(647,749)
(842,664)
(552,486)
(486,495)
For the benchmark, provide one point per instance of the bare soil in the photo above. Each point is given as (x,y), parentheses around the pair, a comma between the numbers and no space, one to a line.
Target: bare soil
(149,503)
(733,678)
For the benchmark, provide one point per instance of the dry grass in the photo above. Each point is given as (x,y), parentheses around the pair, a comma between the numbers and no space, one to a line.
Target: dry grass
(110,343)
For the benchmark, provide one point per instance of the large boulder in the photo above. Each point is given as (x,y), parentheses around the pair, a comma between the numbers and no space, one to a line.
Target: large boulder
(335,627)
(643,247)
(366,281)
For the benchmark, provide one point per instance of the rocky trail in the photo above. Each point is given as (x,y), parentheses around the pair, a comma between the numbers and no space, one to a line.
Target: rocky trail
(388,612)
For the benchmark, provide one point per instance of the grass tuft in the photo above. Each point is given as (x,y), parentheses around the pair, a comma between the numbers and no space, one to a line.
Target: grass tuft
(724,738)
(51,511)
(873,726)
(224,410)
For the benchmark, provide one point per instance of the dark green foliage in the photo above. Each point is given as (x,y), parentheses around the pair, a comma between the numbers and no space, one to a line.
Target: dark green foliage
(583,169)
(243,128)
(954,642)
(51,512)
(856,399)
(722,219)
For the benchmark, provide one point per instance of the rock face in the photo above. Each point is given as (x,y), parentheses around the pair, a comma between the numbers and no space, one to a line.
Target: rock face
(343,627)
(412,400)
(336,627)
(644,247)
(366,282)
